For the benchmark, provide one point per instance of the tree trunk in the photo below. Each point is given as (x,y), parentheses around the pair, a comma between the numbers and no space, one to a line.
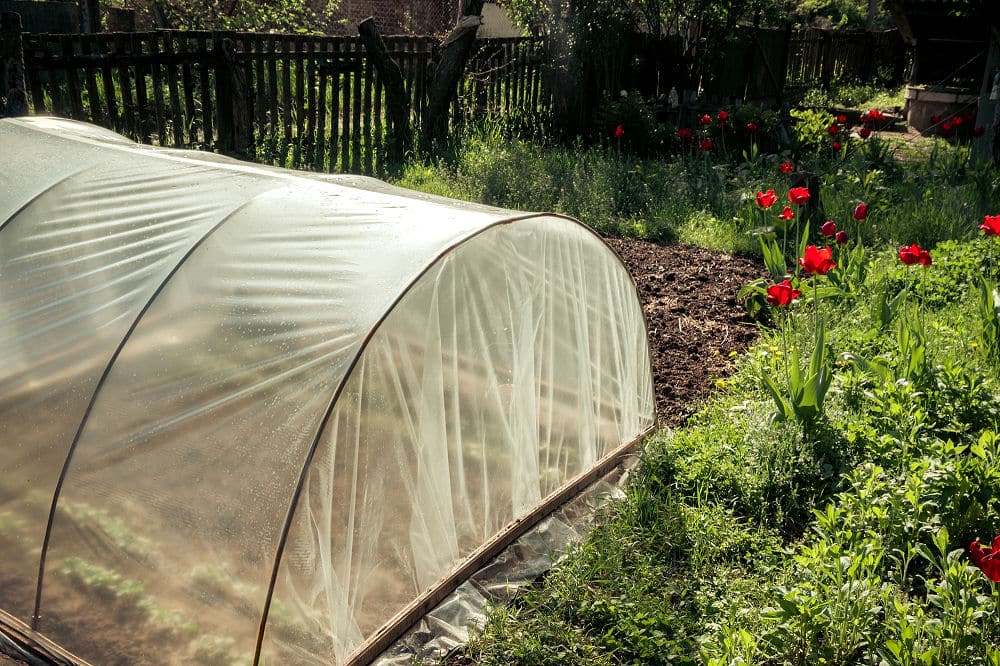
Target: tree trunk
(397,103)
(454,53)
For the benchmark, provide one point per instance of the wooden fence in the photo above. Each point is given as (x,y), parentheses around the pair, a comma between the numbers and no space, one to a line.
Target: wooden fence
(291,100)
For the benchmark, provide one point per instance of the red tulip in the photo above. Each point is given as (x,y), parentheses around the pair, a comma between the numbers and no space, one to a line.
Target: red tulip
(782,295)
(816,261)
(990,225)
(841,238)
(968,118)
(956,121)
(766,199)
(706,145)
(723,116)
(947,130)
(786,167)
(860,211)
(978,131)
(798,195)
(912,254)
(685,134)
(787,214)
(988,560)
(833,130)
(619,132)
(841,119)
(935,119)
(706,119)
(865,132)
(836,146)
(752,127)
(829,228)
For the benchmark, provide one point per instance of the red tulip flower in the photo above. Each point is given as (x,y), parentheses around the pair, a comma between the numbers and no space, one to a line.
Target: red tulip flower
(816,261)
(841,238)
(860,211)
(723,116)
(706,145)
(706,119)
(787,214)
(912,254)
(685,134)
(833,130)
(752,127)
(766,199)
(829,228)
(990,225)
(619,132)
(865,132)
(798,195)
(978,131)
(836,146)
(841,119)
(988,559)
(786,167)
(935,119)
(956,121)
(782,295)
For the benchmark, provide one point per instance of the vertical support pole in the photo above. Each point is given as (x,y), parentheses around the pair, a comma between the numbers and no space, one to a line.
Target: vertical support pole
(12,80)
(90,15)
(827,73)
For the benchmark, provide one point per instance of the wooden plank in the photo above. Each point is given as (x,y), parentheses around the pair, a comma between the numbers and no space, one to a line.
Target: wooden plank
(379,137)
(356,104)
(336,81)
(319,151)
(366,134)
(173,92)
(187,81)
(141,93)
(311,66)
(68,44)
(204,83)
(286,90)
(93,112)
(129,125)
(345,112)
(272,88)
(158,106)
(103,44)
(57,93)
(260,105)
(506,71)
(96,114)
(300,101)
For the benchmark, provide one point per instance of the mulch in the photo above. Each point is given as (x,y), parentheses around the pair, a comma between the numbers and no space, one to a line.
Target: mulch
(689,297)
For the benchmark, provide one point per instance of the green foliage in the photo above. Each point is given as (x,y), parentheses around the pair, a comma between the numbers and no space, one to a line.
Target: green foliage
(288,16)
(811,129)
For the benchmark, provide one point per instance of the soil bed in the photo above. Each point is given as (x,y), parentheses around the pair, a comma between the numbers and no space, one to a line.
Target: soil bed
(688,295)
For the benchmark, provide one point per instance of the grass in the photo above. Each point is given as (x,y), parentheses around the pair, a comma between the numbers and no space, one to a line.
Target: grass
(749,539)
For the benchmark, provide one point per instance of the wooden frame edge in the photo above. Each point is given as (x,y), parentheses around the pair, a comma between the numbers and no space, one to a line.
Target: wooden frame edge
(392,630)
(35,646)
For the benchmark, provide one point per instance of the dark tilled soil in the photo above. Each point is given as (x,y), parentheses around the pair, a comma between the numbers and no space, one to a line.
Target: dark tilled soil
(689,297)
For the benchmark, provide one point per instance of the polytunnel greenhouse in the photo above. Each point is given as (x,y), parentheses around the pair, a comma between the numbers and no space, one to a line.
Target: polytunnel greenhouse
(250,415)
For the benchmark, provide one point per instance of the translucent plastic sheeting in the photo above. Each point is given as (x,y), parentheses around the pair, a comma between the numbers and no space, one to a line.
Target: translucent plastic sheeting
(515,364)
(208,312)
(448,625)
(77,264)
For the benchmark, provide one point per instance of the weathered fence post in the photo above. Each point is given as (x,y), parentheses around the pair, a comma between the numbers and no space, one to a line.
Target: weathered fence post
(12,86)
(235,118)
(397,103)
(826,75)
(90,15)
